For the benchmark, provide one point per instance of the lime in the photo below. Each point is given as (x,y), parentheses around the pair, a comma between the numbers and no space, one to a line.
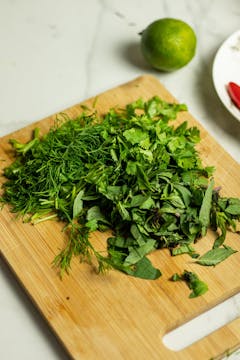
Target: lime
(168,44)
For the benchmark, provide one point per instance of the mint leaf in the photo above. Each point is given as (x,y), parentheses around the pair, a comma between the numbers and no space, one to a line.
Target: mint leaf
(204,214)
(233,207)
(215,256)
(183,249)
(137,253)
(144,269)
(95,216)
(78,204)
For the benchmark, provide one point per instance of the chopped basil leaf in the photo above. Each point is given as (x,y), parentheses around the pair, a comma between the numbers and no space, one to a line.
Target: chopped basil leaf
(215,256)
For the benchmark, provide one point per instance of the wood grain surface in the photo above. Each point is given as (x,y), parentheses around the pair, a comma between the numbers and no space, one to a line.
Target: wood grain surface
(115,316)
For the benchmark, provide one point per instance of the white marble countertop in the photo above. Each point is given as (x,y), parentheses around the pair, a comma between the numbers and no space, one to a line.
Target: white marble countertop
(55,53)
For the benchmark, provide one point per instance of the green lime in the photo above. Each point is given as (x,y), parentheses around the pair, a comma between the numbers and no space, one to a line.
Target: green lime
(168,44)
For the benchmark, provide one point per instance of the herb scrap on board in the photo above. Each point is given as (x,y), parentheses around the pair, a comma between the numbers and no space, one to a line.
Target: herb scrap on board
(131,171)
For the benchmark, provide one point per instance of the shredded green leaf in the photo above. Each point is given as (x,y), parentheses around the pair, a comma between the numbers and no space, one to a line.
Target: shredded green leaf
(215,256)
(204,214)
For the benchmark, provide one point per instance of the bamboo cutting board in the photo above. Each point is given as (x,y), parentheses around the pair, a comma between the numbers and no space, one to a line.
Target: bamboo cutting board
(114,316)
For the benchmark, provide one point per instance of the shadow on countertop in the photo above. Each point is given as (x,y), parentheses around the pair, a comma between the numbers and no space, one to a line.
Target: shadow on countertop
(131,53)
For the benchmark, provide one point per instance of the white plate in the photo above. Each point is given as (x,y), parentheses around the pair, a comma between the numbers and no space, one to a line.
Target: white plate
(226,68)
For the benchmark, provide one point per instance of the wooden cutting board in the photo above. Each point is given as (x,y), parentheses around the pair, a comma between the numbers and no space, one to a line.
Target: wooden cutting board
(114,316)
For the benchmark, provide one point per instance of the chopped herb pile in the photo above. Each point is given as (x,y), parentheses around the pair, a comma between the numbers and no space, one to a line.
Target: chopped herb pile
(130,171)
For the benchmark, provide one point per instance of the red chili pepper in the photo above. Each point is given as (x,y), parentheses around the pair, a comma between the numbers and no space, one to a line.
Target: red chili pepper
(234,93)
